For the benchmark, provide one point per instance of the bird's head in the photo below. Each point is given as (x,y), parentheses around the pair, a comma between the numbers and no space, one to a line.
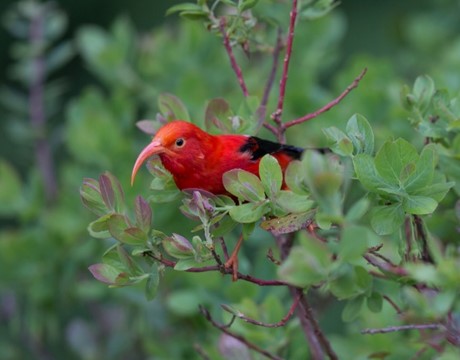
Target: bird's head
(177,141)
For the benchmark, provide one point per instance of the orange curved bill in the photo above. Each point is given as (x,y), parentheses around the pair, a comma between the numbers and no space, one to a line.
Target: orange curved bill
(151,149)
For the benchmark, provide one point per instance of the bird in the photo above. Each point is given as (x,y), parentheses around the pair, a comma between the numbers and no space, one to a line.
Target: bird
(198,160)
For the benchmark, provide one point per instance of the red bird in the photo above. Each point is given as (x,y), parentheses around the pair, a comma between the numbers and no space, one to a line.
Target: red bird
(197,159)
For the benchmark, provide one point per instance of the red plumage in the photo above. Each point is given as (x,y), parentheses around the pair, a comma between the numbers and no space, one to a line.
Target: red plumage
(197,159)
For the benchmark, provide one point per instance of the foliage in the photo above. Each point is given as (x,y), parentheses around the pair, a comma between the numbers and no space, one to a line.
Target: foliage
(374,221)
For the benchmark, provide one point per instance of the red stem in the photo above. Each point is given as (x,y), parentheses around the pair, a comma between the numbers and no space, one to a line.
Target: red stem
(37,111)
(223,270)
(262,110)
(290,39)
(328,106)
(235,66)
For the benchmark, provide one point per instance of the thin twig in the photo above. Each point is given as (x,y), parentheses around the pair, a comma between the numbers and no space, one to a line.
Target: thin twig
(223,270)
(326,345)
(262,110)
(199,349)
(36,108)
(384,266)
(280,323)
(225,330)
(393,304)
(328,106)
(317,341)
(228,47)
(421,234)
(223,246)
(402,328)
(287,57)
(272,258)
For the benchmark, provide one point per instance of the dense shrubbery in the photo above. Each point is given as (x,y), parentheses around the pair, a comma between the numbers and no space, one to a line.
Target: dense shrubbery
(381,212)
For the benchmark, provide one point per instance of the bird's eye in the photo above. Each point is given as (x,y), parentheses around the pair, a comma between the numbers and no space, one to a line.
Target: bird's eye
(180,142)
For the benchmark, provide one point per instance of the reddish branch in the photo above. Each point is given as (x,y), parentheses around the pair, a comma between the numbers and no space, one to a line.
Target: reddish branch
(236,68)
(287,57)
(221,269)
(224,329)
(328,106)
(393,304)
(384,266)
(280,323)
(402,328)
(36,107)
(262,110)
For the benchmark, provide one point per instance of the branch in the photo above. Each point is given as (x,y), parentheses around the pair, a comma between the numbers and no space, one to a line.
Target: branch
(280,323)
(384,266)
(287,57)
(420,231)
(328,106)
(224,329)
(317,330)
(402,328)
(37,110)
(236,68)
(262,110)
(315,337)
(393,304)
(221,269)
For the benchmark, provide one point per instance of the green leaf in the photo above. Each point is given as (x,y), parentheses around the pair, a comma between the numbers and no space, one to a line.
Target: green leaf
(99,228)
(396,161)
(352,309)
(307,264)
(353,243)
(367,174)
(143,214)
(105,273)
(287,224)
(271,175)
(338,141)
(91,197)
(424,170)
(360,132)
(419,205)
(217,117)
(294,177)
(172,108)
(178,247)
(185,264)
(350,281)
(244,5)
(244,185)
(111,192)
(292,202)
(248,213)
(423,91)
(385,220)
(107,193)
(120,229)
(358,210)
(375,302)
(185,7)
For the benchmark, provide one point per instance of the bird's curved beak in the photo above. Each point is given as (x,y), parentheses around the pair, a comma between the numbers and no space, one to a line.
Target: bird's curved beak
(154,148)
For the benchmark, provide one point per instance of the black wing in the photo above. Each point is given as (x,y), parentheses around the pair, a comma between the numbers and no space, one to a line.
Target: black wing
(259,147)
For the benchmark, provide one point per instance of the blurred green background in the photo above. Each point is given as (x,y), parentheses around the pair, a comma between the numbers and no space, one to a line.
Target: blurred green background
(109,60)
